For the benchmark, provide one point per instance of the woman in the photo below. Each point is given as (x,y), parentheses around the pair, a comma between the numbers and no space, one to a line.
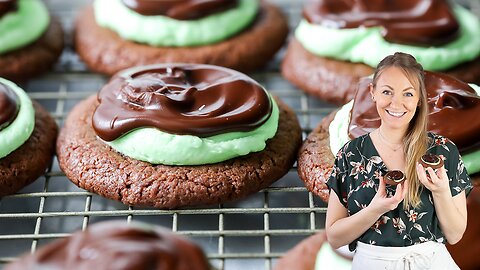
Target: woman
(407,226)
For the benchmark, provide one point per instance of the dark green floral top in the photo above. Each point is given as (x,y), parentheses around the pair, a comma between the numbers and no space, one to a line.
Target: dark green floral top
(355,180)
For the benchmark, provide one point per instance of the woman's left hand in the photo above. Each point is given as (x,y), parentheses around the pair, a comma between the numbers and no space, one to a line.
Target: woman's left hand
(436,182)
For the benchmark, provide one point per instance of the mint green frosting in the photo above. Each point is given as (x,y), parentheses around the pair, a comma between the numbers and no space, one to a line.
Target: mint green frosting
(18,132)
(165,31)
(338,131)
(366,45)
(157,147)
(472,162)
(328,259)
(24,26)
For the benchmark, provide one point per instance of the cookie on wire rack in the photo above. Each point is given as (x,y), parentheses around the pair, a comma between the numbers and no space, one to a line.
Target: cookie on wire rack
(117,245)
(31,40)
(177,135)
(112,35)
(27,139)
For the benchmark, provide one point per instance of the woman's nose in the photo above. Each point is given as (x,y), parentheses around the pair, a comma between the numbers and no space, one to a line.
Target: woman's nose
(397,100)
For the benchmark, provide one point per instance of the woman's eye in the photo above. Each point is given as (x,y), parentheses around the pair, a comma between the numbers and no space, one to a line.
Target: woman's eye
(408,94)
(386,92)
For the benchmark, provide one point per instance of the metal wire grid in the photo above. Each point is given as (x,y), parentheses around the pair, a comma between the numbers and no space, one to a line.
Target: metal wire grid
(249,234)
(54,186)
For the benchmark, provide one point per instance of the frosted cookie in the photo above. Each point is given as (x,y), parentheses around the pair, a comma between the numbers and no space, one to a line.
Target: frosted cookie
(242,34)
(177,135)
(338,42)
(27,139)
(117,245)
(394,177)
(431,160)
(30,40)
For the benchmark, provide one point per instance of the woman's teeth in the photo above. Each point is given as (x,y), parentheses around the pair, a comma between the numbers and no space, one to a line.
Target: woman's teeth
(396,114)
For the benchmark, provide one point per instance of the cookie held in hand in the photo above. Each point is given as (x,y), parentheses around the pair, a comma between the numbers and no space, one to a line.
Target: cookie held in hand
(431,160)
(394,177)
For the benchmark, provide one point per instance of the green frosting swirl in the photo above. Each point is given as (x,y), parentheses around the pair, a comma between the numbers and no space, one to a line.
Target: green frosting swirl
(18,132)
(338,131)
(24,26)
(165,31)
(157,147)
(366,45)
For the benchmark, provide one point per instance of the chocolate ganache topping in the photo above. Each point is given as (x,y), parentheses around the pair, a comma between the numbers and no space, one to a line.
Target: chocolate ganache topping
(179,9)
(453,108)
(116,245)
(414,22)
(7,6)
(200,100)
(9,106)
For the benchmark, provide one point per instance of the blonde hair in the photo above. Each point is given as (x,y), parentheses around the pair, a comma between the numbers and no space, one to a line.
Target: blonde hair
(416,139)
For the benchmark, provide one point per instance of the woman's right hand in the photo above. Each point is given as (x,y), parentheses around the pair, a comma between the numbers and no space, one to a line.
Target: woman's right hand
(381,203)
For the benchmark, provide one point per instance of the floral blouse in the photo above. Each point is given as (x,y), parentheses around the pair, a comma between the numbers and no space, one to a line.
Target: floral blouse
(355,180)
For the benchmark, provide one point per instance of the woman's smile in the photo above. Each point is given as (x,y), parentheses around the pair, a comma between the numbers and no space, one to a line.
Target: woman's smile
(395,114)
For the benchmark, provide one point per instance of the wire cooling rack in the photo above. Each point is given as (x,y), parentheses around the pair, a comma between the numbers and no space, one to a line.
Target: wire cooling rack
(248,234)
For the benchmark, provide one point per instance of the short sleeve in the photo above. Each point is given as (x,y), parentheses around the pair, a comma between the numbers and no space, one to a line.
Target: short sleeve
(337,180)
(456,171)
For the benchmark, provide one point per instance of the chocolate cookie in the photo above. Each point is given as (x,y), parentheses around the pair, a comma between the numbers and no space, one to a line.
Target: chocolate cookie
(315,159)
(106,52)
(336,81)
(117,245)
(431,160)
(36,58)
(27,163)
(394,177)
(91,164)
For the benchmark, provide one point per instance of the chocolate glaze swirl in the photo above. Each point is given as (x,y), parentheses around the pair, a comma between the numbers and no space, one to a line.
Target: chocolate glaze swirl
(7,6)
(180,9)
(395,175)
(453,108)
(414,22)
(117,245)
(200,100)
(430,158)
(9,106)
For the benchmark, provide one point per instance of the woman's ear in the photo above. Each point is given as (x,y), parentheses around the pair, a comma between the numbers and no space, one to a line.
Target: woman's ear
(370,88)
